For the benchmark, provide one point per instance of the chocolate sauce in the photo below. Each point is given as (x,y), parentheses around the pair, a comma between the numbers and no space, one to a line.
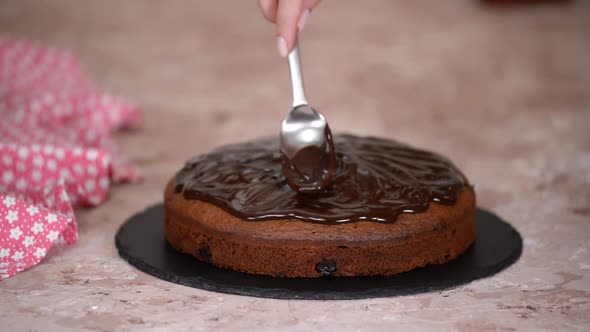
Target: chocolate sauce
(312,169)
(375,179)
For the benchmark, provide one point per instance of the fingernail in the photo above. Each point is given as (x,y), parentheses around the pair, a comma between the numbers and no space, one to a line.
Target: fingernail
(282,46)
(303,19)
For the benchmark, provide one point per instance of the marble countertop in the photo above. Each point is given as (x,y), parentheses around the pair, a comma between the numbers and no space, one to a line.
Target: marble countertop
(504,92)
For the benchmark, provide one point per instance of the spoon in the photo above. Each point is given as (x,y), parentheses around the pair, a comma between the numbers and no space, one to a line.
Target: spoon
(307,150)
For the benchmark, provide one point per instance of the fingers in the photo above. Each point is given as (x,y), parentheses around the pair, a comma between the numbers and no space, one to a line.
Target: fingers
(310,4)
(290,17)
(269,9)
(288,14)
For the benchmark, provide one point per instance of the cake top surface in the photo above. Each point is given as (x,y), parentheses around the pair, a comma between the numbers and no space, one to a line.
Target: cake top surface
(376,180)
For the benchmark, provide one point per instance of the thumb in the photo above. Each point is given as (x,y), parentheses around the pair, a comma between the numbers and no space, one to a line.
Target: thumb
(288,14)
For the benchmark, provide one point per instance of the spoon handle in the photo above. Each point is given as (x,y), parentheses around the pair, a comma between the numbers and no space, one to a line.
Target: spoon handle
(296,76)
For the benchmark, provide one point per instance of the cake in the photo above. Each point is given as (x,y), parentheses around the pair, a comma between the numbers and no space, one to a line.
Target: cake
(392,208)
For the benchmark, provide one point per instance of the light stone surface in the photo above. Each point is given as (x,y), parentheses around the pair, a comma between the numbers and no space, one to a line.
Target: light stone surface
(504,92)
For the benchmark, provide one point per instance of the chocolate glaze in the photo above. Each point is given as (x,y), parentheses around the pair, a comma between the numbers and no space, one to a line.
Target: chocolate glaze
(375,179)
(312,169)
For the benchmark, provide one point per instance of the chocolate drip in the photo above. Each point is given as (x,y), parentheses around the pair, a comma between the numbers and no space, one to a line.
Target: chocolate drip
(375,179)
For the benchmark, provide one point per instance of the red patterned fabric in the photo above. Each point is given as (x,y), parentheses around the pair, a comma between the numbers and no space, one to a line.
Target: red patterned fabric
(55,149)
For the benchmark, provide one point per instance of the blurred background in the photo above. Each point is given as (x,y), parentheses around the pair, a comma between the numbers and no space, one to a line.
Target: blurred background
(501,88)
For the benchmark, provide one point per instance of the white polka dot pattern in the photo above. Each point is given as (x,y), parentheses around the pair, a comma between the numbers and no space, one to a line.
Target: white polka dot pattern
(55,150)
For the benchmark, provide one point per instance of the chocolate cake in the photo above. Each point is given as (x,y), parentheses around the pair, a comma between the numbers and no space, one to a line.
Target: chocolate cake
(391,208)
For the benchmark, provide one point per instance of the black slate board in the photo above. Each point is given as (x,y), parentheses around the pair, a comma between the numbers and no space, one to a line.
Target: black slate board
(141,242)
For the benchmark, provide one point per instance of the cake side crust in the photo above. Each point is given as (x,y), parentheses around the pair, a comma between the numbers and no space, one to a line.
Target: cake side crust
(294,248)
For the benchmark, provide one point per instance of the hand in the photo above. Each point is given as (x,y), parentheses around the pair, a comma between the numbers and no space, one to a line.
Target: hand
(290,16)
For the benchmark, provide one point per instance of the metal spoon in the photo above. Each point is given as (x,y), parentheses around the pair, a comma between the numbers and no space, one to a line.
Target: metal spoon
(307,149)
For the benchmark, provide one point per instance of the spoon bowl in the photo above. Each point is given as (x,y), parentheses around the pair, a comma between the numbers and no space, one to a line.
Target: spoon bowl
(302,127)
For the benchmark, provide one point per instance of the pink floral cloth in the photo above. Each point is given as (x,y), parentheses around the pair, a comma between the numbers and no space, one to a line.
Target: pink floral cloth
(55,149)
